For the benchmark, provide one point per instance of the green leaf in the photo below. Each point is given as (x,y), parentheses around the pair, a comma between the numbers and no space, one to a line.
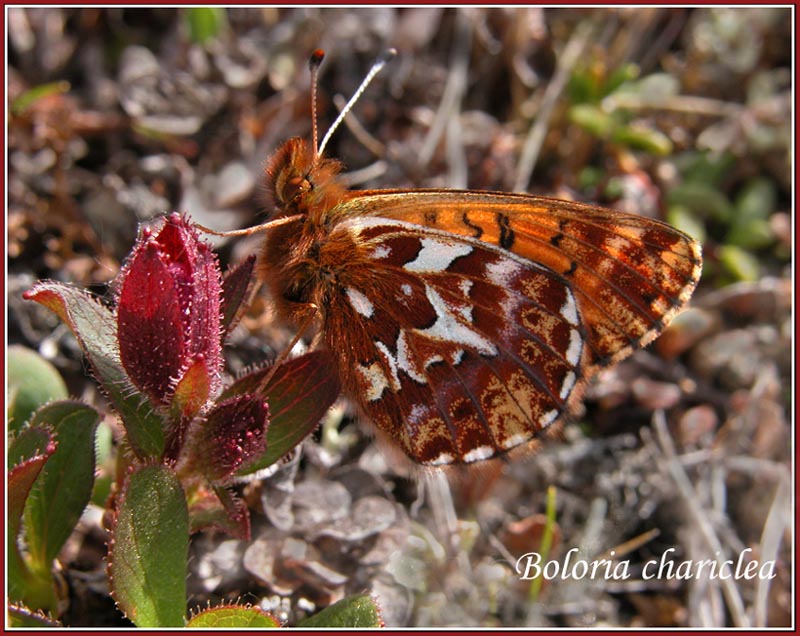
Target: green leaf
(28,454)
(32,381)
(106,464)
(641,138)
(758,199)
(741,265)
(96,330)
(30,442)
(654,89)
(618,77)
(29,97)
(64,487)
(231,617)
(750,228)
(298,394)
(752,234)
(583,86)
(149,547)
(353,611)
(705,167)
(592,119)
(703,200)
(681,218)
(205,22)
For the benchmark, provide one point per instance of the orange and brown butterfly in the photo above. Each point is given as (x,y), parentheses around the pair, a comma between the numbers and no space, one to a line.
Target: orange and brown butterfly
(463,323)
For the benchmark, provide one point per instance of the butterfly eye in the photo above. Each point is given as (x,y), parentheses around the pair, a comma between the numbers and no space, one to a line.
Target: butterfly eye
(296,187)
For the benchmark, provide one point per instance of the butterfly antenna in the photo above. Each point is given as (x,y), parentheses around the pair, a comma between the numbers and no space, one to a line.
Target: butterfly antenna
(376,68)
(313,64)
(264,227)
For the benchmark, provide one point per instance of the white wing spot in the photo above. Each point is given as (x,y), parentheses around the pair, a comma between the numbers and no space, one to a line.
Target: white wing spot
(548,418)
(575,348)
(392,363)
(478,454)
(380,252)
(566,387)
(501,271)
(433,360)
(375,379)
(569,310)
(436,256)
(404,360)
(448,327)
(417,412)
(406,289)
(515,440)
(360,302)
(444,458)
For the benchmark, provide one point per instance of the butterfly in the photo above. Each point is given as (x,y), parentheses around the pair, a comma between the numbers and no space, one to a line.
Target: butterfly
(464,323)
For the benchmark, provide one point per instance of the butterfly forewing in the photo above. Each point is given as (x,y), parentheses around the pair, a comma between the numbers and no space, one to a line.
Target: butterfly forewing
(457,349)
(630,274)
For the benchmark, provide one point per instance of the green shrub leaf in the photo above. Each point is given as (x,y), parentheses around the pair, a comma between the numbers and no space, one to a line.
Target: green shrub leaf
(353,611)
(95,327)
(28,455)
(64,487)
(231,616)
(32,382)
(149,548)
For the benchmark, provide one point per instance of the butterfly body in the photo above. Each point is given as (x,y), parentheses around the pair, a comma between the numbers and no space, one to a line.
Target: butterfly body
(464,322)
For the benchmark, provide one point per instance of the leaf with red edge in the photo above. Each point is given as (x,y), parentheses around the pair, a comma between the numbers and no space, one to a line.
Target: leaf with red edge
(219,509)
(233,617)
(64,487)
(21,616)
(235,287)
(353,611)
(149,547)
(20,481)
(233,434)
(95,328)
(30,442)
(299,394)
(28,453)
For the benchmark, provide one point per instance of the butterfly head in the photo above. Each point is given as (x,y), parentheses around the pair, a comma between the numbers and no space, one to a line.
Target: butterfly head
(302,182)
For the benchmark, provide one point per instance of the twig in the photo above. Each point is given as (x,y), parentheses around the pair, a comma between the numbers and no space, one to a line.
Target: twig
(777,521)
(454,89)
(535,139)
(690,498)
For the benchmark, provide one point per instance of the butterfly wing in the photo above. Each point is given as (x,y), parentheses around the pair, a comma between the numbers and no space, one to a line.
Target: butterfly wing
(465,320)
(630,274)
(457,349)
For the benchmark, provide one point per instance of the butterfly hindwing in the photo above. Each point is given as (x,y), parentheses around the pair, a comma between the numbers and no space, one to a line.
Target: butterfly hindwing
(458,349)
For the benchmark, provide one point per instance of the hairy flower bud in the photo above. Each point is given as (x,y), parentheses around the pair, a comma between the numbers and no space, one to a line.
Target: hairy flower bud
(168,316)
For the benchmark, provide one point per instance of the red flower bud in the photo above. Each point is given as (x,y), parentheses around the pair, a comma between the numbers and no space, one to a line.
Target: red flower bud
(168,316)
